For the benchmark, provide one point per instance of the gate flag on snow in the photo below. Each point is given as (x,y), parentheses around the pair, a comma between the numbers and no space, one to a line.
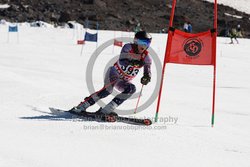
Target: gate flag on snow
(90,37)
(192,49)
(13,28)
(117,43)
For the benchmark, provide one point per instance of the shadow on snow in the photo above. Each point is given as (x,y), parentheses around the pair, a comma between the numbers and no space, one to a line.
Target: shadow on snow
(55,115)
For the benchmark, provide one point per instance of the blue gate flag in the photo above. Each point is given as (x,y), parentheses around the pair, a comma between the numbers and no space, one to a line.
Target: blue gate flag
(90,37)
(13,29)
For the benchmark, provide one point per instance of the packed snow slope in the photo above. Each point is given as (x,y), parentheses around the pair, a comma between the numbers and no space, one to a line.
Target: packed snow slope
(240,5)
(42,68)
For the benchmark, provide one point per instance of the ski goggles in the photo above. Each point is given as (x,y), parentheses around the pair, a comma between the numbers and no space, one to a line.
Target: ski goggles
(143,42)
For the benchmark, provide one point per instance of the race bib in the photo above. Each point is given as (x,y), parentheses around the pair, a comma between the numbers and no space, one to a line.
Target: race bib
(127,72)
(130,70)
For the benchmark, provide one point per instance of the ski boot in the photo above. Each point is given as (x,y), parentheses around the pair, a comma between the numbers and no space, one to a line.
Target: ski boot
(107,113)
(81,108)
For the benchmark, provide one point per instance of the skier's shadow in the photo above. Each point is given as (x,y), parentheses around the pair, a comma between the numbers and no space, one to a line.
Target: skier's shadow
(54,115)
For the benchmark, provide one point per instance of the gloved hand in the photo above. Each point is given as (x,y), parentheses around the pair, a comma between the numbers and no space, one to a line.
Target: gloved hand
(136,63)
(145,79)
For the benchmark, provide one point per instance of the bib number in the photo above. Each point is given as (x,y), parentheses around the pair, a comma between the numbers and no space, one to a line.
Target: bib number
(130,70)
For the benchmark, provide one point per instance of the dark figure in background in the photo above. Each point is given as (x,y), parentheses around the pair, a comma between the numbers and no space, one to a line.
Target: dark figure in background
(137,28)
(190,28)
(239,33)
(185,27)
(227,31)
(233,35)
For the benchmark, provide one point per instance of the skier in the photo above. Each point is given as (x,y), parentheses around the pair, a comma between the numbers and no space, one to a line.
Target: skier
(133,56)
(233,35)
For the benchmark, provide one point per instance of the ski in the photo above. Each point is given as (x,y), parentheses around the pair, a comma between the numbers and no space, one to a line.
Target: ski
(134,121)
(92,116)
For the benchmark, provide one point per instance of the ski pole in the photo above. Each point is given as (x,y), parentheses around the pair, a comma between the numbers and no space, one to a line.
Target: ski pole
(138,99)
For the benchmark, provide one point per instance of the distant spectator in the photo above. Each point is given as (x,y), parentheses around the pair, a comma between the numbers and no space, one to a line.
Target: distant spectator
(239,33)
(86,22)
(227,31)
(137,28)
(233,35)
(164,30)
(238,27)
(185,27)
(190,28)
(2,21)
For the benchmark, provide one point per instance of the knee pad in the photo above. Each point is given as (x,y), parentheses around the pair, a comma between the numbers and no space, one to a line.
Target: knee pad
(104,93)
(130,89)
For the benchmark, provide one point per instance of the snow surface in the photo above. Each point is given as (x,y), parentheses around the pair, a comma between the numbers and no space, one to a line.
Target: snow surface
(235,16)
(240,5)
(4,6)
(44,69)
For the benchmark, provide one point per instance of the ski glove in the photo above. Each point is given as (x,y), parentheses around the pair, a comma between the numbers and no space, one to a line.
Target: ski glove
(145,79)
(137,63)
